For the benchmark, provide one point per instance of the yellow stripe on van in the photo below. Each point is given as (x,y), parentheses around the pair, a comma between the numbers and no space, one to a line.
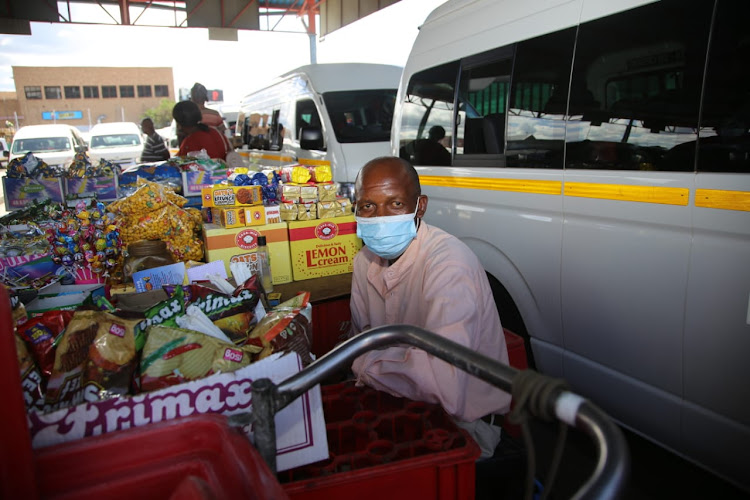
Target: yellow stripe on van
(622,192)
(727,200)
(263,156)
(313,163)
(486,183)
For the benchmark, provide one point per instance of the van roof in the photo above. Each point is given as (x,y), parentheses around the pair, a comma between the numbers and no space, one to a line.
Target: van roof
(43,131)
(349,76)
(115,128)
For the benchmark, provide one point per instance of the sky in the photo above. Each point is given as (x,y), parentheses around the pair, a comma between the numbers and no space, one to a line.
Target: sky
(235,67)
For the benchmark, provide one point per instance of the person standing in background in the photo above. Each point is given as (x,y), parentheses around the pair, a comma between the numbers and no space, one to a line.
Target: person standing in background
(210,117)
(154,149)
(197,134)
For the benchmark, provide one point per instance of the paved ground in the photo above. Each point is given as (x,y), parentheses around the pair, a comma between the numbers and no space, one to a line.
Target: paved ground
(655,472)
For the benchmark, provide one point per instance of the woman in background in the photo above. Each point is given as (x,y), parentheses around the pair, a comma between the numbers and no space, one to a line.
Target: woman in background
(211,117)
(197,134)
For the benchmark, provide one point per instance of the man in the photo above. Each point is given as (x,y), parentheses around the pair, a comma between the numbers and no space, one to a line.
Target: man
(154,149)
(413,273)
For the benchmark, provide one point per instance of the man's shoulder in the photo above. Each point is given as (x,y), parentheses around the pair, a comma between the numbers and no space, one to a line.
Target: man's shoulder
(444,246)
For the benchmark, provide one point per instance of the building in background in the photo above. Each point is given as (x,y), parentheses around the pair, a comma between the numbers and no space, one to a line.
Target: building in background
(85,96)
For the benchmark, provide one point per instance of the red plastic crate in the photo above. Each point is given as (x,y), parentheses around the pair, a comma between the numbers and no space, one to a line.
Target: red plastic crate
(153,462)
(197,457)
(386,447)
(331,320)
(516,350)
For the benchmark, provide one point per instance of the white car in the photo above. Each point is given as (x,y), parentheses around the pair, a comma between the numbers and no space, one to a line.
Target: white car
(55,144)
(119,142)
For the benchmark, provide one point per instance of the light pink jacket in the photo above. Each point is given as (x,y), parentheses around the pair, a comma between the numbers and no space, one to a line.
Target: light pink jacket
(438,284)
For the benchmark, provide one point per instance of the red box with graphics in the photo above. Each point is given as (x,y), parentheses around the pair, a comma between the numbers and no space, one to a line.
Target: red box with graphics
(240,244)
(323,247)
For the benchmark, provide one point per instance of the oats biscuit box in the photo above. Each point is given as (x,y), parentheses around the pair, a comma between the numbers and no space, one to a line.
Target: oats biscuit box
(240,244)
(220,195)
(323,247)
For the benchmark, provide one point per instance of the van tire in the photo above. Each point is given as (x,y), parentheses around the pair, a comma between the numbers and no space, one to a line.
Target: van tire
(510,318)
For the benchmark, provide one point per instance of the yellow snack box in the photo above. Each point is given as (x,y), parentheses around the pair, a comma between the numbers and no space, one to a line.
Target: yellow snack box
(255,216)
(240,245)
(220,195)
(228,217)
(323,247)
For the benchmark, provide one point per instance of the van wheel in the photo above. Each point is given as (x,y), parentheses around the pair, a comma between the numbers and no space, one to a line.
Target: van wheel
(510,317)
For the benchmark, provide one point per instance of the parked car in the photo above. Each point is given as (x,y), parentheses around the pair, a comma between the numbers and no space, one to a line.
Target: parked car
(118,142)
(5,152)
(55,144)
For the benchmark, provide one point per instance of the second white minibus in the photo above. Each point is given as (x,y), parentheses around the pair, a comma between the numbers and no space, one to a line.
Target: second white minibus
(322,114)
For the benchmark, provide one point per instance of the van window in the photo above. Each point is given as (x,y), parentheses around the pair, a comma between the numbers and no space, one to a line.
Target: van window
(42,145)
(428,106)
(724,139)
(114,140)
(361,115)
(538,97)
(635,98)
(483,98)
(306,115)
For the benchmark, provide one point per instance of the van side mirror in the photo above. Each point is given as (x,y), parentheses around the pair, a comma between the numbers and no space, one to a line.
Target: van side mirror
(6,153)
(81,149)
(311,138)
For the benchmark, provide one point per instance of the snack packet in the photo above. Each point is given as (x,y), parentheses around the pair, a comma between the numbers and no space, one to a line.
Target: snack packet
(95,359)
(40,333)
(174,355)
(286,328)
(31,378)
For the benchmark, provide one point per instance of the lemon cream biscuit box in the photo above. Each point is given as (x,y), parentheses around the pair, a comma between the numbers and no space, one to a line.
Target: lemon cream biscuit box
(221,195)
(240,244)
(323,247)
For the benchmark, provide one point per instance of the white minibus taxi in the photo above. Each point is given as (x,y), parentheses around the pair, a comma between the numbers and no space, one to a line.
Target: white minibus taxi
(595,155)
(322,114)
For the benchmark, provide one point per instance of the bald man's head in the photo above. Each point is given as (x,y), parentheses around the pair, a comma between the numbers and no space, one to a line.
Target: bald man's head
(393,167)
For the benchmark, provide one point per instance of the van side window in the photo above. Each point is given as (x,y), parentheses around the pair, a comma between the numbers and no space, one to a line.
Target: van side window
(483,101)
(306,115)
(724,144)
(635,89)
(427,116)
(538,96)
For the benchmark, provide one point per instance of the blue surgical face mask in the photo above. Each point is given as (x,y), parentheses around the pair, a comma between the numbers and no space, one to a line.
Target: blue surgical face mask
(388,236)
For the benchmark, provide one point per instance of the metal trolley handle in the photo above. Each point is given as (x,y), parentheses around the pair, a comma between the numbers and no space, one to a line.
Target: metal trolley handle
(610,473)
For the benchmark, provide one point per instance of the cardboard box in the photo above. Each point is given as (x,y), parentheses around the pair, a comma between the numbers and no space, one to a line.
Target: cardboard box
(273,214)
(193,182)
(104,188)
(300,427)
(221,195)
(240,244)
(228,217)
(255,216)
(55,289)
(21,192)
(323,247)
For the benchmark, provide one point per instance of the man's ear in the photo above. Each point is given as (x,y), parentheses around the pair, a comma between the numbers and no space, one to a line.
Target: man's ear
(421,206)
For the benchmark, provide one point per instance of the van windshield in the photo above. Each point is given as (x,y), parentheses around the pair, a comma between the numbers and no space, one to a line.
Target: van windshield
(41,145)
(361,115)
(114,140)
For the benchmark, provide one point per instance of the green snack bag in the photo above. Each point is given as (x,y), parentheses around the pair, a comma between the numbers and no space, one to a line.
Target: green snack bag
(163,313)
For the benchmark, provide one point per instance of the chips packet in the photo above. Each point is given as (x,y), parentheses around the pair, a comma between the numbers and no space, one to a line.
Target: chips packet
(286,328)
(40,333)
(175,355)
(95,359)
(31,378)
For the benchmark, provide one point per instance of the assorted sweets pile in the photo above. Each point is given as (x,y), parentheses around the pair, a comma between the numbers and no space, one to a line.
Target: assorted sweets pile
(85,240)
